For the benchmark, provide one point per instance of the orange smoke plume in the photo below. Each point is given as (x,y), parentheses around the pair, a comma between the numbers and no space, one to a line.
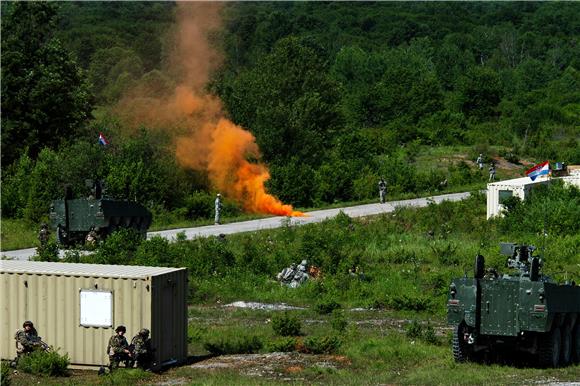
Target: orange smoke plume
(204,138)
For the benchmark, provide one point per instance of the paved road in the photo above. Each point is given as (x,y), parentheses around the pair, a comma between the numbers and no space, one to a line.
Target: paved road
(276,222)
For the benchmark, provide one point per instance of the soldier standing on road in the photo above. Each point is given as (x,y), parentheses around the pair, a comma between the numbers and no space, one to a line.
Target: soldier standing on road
(141,349)
(118,348)
(480,161)
(218,208)
(43,234)
(491,172)
(382,190)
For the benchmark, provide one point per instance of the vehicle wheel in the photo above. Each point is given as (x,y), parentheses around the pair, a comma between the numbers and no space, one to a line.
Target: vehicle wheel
(576,343)
(535,269)
(479,267)
(461,350)
(549,348)
(566,353)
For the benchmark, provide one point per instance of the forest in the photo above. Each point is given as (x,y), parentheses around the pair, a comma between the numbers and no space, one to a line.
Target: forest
(336,95)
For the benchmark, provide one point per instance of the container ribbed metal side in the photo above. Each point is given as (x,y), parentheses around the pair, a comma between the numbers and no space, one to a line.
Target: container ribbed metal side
(52,302)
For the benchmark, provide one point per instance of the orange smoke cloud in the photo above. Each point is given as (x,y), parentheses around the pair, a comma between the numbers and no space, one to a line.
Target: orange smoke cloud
(204,138)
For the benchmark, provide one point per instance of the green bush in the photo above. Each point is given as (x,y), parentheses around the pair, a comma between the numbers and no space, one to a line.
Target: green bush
(338,321)
(414,330)
(50,364)
(48,252)
(286,325)
(5,373)
(244,344)
(286,344)
(326,307)
(411,302)
(321,344)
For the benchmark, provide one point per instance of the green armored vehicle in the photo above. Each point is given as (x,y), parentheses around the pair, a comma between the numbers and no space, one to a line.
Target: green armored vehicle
(96,217)
(524,311)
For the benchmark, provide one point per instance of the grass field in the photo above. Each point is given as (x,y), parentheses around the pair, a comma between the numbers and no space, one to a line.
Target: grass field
(375,349)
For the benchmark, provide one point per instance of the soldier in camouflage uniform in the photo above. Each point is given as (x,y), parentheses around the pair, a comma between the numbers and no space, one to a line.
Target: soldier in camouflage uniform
(43,234)
(27,341)
(118,348)
(141,350)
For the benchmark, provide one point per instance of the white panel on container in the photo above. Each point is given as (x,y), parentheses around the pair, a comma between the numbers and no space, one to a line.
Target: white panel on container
(96,308)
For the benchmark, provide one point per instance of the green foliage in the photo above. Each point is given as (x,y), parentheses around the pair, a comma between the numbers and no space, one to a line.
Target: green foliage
(321,344)
(552,208)
(328,306)
(50,364)
(286,325)
(45,98)
(48,252)
(119,248)
(284,344)
(338,321)
(415,330)
(5,373)
(244,344)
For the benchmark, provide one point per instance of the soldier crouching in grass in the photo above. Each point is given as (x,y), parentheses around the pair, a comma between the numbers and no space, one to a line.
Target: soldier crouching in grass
(118,349)
(27,341)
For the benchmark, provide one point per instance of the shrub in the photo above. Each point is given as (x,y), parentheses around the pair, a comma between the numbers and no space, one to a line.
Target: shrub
(286,344)
(48,252)
(429,336)
(411,302)
(50,364)
(321,344)
(286,325)
(326,307)
(338,321)
(244,344)
(5,375)
(414,330)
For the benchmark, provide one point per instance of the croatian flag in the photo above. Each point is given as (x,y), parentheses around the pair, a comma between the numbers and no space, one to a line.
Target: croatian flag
(539,170)
(102,140)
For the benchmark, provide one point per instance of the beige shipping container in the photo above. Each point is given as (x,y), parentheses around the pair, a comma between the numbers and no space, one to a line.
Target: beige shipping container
(76,307)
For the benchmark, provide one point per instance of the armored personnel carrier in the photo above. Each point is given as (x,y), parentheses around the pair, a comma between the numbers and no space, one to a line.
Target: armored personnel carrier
(522,311)
(75,218)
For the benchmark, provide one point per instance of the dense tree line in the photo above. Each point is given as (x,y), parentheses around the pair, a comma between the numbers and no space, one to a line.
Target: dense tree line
(337,94)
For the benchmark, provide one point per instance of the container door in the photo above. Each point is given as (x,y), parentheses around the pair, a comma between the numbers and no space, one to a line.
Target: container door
(169,345)
(499,305)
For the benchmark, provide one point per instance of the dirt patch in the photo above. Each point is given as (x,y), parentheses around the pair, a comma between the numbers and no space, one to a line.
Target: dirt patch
(273,365)
(263,306)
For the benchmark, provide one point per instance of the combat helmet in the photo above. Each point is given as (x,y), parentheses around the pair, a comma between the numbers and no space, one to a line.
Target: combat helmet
(144,332)
(121,328)
(27,323)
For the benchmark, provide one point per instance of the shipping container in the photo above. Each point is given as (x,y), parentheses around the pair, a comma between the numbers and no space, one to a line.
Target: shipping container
(497,192)
(76,307)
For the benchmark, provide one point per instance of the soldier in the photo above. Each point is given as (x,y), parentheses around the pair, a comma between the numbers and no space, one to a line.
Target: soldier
(382,190)
(92,237)
(287,274)
(491,172)
(301,275)
(118,348)
(480,161)
(43,234)
(27,341)
(218,208)
(141,350)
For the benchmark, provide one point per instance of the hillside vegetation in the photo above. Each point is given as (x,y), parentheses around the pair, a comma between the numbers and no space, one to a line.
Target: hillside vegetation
(336,94)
